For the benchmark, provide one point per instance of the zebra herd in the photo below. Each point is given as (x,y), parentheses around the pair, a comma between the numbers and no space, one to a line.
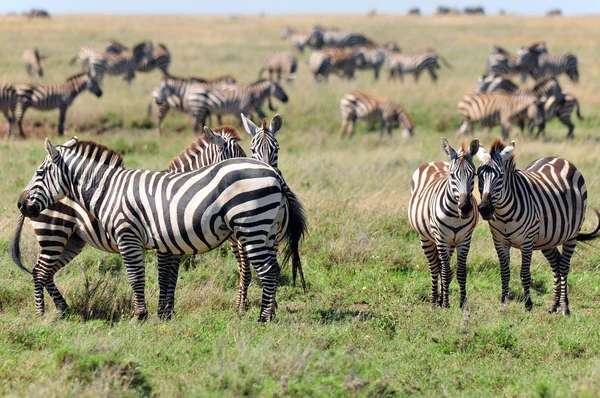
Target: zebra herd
(540,207)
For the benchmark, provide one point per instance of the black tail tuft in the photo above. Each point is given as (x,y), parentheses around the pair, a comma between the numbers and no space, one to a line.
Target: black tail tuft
(15,245)
(297,226)
(583,237)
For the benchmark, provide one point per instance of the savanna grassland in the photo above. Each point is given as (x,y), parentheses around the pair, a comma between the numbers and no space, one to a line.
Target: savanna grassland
(365,327)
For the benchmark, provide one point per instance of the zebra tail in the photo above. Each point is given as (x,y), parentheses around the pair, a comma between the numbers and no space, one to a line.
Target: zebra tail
(150,109)
(297,228)
(73,60)
(15,245)
(583,237)
(446,63)
(578,114)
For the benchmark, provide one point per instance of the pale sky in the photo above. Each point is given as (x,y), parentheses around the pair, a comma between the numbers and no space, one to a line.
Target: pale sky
(200,7)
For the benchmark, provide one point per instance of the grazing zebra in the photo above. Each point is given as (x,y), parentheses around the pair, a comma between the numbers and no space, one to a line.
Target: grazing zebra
(538,208)
(63,230)
(174,213)
(500,108)
(400,63)
(321,37)
(47,98)
(299,40)
(279,62)
(359,105)
(32,59)
(561,107)
(441,210)
(494,82)
(536,61)
(344,61)
(8,103)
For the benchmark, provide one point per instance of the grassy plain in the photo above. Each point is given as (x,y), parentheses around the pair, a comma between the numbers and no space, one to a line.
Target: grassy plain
(365,327)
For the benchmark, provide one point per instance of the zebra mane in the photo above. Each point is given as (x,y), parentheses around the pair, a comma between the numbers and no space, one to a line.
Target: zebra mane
(93,150)
(229,133)
(497,146)
(545,81)
(74,77)
(162,46)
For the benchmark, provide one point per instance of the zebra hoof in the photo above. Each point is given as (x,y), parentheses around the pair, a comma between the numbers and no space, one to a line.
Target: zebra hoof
(552,309)
(141,315)
(566,311)
(528,305)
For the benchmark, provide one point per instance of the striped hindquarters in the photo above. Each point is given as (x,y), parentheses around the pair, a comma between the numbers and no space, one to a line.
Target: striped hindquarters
(32,60)
(8,98)
(359,105)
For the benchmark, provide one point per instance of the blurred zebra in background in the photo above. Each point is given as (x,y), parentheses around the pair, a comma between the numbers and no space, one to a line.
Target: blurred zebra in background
(494,82)
(161,57)
(538,208)
(372,109)
(374,58)
(32,59)
(299,40)
(536,61)
(562,108)
(501,62)
(115,47)
(50,97)
(279,62)
(321,37)
(442,211)
(8,103)
(344,61)
(400,63)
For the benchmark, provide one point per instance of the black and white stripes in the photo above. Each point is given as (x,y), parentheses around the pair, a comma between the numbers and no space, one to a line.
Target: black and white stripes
(8,103)
(33,64)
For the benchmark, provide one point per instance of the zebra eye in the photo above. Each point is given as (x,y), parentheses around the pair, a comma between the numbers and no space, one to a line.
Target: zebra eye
(40,172)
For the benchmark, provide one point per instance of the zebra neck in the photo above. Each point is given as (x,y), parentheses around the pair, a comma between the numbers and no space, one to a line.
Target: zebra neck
(510,188)
(73,88)
(260,93)
(449,201)
(88,187)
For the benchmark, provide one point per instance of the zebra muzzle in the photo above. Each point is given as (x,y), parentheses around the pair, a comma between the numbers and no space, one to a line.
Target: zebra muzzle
(29,209)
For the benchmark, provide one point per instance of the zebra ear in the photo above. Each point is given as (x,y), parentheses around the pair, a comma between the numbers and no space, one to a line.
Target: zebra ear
(448,149)
(474,147)
(275,124)
(213,138)
(71,142)
(482,155)
(52,151)
(249,126)
(506,152)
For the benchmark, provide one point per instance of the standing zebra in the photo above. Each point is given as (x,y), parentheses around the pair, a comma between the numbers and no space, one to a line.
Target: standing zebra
(538,208)
(279,62)
(32,59)
(47,98)
(359,105)
(8,103)
(502,62)
(374,58)
(441,210)
(299,40)
(561,107)
(321,37)
(493,82)
(75,227)
(344,61)
(174,213)
(115,47)
(161,57)
(536,61)
(400,63)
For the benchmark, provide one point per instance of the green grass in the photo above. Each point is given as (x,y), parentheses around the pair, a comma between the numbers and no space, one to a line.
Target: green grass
(365,327)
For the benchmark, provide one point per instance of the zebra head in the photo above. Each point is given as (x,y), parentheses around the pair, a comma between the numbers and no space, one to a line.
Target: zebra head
(49,183)
(93,86)
(316,39)
(491,176)
(462,175)
(527,58)
(264,145)
(278,92)
(223,150)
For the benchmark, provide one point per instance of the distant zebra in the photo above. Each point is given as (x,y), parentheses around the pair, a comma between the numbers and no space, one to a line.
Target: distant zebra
(359,105)
(299,40)
(8,103)
(540,64)
(115,47)
(32,59)
(441,210)
(279,62)
(494,82)
(320,37)
(538,208)
(374,58)
(161,59)
(474,11)
(65,228)
(400,63)
(561,107)
(174,213)
(500,108)
(344,61)
(50,97)
(501,62)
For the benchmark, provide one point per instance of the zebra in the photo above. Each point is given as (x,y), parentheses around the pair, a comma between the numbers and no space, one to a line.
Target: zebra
(400,63)
(63,230)
(8,104)
(538,208)
(115,47)
(175,213)
(299,40)
(321,37)
(441,210)
(279,62)
(561,107)
(161,57)
(501,108)
(49,97)
(344,61)
(493,82)
(536,61)
(358,105)
(501,62)
(32,59)
(374,57)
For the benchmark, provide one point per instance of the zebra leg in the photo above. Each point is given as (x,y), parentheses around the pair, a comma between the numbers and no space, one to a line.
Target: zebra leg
(343,128)
(541,130)
(462,252)
(351,127)
(553,257)
(245,275)
(565,264)
(430,251)
(526,253)
(19,114)
(133,257)
(377,73)
(433,75)
(505,131)
(262,255)
(567,122)
(168,272)
(417,76)
(444,255)
(61,120)
(10,122)
(503,252)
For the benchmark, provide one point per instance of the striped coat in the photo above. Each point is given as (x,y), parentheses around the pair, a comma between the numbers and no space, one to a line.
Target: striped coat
(561,107)
(320,38)
(49,97)
(501,62)
(540,64)
(343,61)
(538,208)
(174,213)
(373,109)
(494,82)
(8,103)
(400,63)
(442,211)
(161,57)
(280,62)
(33,64)
(299,40)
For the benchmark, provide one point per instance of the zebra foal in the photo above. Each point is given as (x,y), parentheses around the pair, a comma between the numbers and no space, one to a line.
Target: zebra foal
(442,211)
(538,208)
(279,62)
